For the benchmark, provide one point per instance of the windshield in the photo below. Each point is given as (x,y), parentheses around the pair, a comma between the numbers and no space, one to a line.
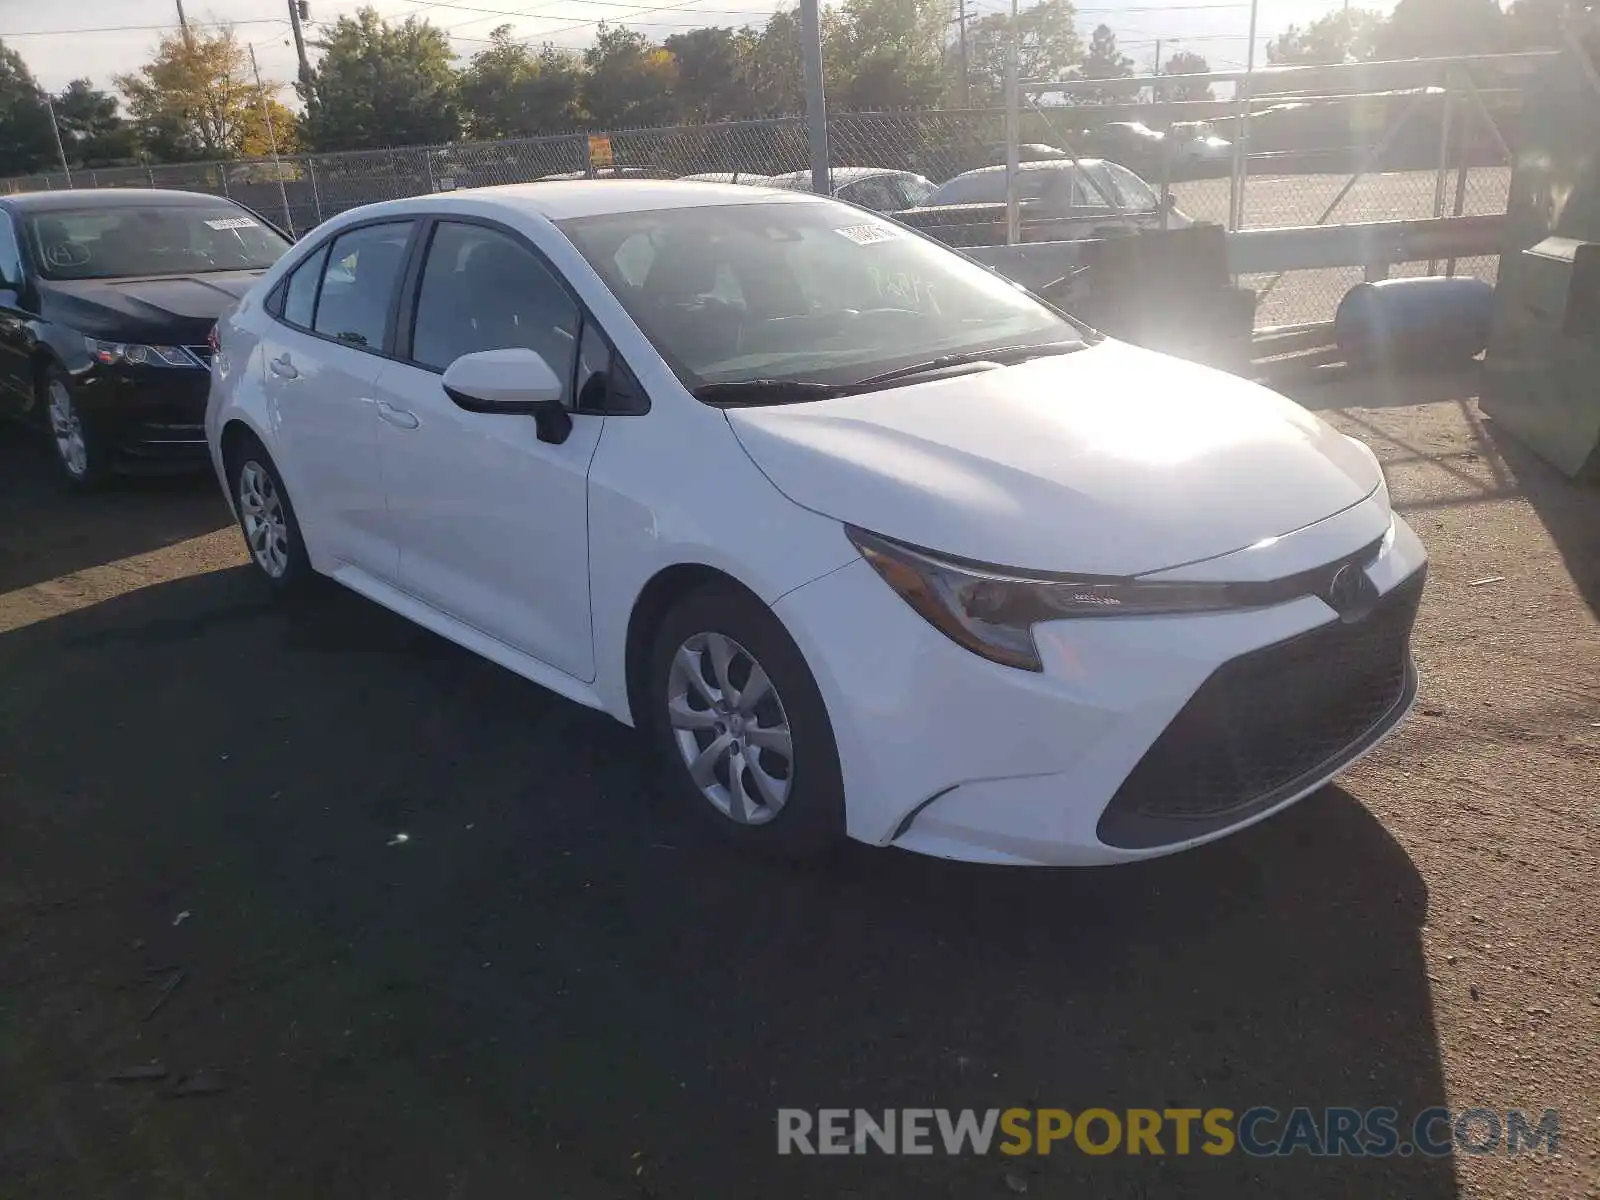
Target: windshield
(800,291)
(111,243)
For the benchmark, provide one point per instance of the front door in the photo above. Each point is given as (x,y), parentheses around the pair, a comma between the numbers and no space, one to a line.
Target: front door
(323,356)
(492,522)
(16,335)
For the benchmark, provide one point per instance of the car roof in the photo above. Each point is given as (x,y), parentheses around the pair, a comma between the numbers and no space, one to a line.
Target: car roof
(27,202)
(840,175)
(1039,164)
(597,197)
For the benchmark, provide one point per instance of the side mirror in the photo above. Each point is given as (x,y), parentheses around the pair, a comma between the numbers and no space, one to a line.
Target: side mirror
(515,382)
(1169,202)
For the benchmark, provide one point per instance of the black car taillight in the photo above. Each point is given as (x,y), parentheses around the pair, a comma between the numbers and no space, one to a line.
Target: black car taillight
(214,340)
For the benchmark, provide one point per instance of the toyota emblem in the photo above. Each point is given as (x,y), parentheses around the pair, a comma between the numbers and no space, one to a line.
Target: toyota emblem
(1350,593)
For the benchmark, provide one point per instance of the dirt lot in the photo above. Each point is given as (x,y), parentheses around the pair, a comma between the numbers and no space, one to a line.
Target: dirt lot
(552,988)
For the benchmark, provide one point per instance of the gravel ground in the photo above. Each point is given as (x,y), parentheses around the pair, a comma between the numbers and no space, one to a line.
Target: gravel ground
(551,987)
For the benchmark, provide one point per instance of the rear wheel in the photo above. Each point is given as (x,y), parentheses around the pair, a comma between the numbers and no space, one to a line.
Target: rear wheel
(267,520)
(740,728)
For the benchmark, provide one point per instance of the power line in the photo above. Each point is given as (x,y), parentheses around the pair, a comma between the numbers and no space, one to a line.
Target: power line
(139,28)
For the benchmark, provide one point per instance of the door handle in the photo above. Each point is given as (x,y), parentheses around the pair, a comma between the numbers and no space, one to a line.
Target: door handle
(398,417)
(284,367)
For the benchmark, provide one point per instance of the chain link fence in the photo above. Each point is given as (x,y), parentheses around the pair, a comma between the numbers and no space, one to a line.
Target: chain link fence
(1320,161)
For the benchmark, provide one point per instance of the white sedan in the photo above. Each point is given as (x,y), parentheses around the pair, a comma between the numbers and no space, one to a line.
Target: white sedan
(870,542)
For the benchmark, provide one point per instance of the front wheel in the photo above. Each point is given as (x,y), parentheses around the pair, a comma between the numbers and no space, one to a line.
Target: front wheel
(740,728)
(81,452)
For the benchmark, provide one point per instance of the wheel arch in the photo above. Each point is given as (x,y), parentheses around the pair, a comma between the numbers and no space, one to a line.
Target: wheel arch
(660,592)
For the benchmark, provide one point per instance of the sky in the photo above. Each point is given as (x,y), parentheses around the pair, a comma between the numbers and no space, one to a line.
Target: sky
(56,42)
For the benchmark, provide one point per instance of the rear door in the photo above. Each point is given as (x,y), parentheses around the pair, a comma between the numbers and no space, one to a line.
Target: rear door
(334,320)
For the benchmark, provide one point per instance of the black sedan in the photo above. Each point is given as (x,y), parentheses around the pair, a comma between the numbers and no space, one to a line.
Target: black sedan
(107,299)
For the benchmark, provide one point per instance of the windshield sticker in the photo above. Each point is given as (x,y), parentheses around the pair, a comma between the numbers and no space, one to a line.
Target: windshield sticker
(66,254)
(233,223)
(865,235)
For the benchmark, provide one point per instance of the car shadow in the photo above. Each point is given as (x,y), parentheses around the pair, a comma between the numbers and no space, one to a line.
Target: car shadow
(1338,386)
(435,933)
(47,530)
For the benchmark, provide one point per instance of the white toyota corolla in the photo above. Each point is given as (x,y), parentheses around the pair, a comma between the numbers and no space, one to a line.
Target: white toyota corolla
(870,542)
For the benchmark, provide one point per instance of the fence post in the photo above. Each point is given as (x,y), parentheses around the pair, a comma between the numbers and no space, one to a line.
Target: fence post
(816,105)
(1463,154)
(316,197)
(1442,174)
(222,168)
(149,171)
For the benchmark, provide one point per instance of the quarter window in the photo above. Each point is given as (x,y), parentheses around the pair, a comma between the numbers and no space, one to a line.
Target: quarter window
(1132,192)
(300,294)
(484,290)
(358,284)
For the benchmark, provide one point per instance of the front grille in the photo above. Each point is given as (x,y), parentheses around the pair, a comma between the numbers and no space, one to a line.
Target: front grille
(1268,723)
(202,352)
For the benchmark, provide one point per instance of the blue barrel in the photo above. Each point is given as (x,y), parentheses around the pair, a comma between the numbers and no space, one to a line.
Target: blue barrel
(1432,319)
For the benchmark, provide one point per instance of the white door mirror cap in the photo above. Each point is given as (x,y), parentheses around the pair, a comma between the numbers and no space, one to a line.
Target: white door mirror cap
(515,380)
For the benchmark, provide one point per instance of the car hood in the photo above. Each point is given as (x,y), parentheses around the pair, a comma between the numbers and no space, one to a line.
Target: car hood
(1108,461)
(176,309)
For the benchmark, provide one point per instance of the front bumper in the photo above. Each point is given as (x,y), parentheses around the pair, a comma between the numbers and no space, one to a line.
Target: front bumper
(948,754)
(152,418)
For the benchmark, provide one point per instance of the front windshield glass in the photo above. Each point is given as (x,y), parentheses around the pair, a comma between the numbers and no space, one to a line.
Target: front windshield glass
(812,291)
(116,242)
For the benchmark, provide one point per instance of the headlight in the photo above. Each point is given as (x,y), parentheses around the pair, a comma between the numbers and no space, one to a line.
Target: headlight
(111,353)
(992,612)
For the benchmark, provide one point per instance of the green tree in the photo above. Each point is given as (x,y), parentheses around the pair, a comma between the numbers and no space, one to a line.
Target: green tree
(1346,36)
(630,82)
(195,98)
(509,90)
(92,130)
(713,74)
(1535,24)
(1187,62)
(1431,28)
(26,143)
(383,84)
(1105,61)
(775,77)
(884,54)
(1048,47)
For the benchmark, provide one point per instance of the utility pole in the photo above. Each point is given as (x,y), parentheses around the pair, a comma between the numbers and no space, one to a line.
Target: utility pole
(61,150)
(1155,89)
(966,79)
(183,23)
(272,141)
(306,93)
(1013,129)
(816,105)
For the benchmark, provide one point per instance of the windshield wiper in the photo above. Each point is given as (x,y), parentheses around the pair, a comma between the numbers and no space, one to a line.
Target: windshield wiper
(790,391)
(1000,354)
(765,391)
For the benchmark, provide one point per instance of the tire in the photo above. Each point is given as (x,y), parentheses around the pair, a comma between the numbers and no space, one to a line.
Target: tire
(82,452)
(793,803)
(266,519)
